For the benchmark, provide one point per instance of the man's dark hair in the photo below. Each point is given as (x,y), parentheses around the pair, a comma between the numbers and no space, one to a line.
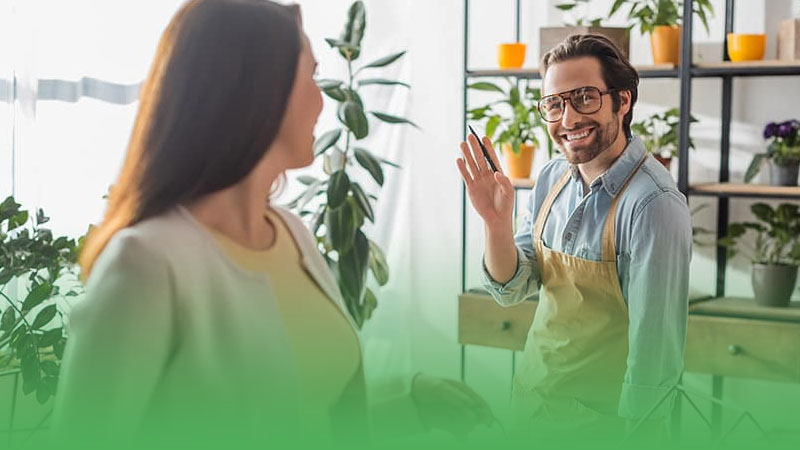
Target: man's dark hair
(618,73)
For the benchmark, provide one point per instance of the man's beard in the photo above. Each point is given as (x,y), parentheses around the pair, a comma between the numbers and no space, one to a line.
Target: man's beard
(601,139)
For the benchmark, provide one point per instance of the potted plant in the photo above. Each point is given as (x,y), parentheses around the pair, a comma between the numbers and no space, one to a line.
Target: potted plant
(549,37)
(662,19)
(37,272)
(783,154)
(775,254)
(517,123)
(659,134)
(337,200)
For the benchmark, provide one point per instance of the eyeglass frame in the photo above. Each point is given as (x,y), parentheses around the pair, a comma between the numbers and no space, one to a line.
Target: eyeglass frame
(565,98)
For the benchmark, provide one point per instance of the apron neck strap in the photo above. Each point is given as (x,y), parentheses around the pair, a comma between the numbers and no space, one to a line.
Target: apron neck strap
(609,230)
(544,211)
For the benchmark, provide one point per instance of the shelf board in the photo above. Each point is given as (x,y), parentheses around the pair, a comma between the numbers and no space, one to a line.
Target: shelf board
(523,183)
(746,308)
(747,68)
(645,71)
(745,190)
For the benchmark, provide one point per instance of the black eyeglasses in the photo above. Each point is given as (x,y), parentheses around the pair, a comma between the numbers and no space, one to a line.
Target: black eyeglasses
(585,100)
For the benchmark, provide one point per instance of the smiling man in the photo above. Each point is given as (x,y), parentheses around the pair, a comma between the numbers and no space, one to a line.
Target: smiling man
(606,245)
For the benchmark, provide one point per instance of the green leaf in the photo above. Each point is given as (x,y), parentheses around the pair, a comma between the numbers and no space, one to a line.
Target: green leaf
(43,393)
(388,118)
(336,93)
(352,269)
(17,220)
(36,296)
(370,163)
(326,141)
(615,7)
(341,225)
(381,81)
(352,115)
(385,61)
(50,337)
(754,167)
(764,212)
(327,83)
(58,348)
(50,368)
(491,126)
(354,27)
(305,179)
(8,319)
(486,86)
(41,219)
(44,317)
(369,304)
(30,373)
(363,201)
(389,163)
(566,6)
(377,264)
(337,188)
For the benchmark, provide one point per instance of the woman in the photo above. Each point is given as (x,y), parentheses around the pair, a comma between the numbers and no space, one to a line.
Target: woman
(210,313)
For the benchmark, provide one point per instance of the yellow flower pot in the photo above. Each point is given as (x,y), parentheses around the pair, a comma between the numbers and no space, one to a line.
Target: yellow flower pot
(511,56)
(746,47)
(518,165)
(665,43)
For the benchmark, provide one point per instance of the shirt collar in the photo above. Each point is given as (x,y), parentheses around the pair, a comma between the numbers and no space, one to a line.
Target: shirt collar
(617,175)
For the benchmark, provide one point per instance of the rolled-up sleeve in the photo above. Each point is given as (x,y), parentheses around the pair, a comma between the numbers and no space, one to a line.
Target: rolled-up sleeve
(526,280)
(657,304)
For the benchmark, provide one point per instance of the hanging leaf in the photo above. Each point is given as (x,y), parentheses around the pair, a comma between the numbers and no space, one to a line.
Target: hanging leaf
(353,269)
(336,93)
(369,305)
(30,372)
(370,163)
(341,225)
(326,141)
(389,163)
(327,83)
(337,188)
(8,319)
(305,179)
(352,115)
(378,265)
(388,118)
(50,337)
(754,167)
(44,317)
(363,202)
(36,296)
(17,220)
(58,347)
(385,61)
(486,86)
(380,81)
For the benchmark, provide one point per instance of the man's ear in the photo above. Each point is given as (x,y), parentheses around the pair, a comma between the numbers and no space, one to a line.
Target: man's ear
(624,102)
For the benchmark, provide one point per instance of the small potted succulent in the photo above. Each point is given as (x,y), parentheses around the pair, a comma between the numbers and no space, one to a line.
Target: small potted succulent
(659,134)
(511,122)
(783,154)
(662,19)
(775,252)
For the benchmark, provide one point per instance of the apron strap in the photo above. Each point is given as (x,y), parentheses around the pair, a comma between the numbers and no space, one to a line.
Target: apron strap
(609,230)
(544,211)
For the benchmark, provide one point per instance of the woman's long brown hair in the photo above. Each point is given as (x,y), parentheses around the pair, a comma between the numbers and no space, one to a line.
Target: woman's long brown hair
(210,108)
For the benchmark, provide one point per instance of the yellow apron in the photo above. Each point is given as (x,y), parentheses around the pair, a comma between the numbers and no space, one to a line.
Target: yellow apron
(575,356)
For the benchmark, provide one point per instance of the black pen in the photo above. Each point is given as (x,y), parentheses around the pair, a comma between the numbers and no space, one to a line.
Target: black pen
(483,149)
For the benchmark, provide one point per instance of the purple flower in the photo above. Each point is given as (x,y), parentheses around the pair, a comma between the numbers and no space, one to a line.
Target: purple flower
(770,130)
(785,130)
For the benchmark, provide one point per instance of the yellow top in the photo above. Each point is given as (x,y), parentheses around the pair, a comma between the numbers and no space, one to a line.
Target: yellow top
(324,343)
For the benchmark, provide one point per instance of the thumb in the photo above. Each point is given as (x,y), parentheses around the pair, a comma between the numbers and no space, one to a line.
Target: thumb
(505,184)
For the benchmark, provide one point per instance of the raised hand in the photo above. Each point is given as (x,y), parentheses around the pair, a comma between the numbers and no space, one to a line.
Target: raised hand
(490,193)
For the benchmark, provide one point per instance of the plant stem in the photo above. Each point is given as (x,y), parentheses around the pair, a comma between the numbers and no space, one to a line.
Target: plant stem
(22,316)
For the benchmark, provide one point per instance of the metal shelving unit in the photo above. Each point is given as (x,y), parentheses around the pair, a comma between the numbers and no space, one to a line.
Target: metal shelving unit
(723,190)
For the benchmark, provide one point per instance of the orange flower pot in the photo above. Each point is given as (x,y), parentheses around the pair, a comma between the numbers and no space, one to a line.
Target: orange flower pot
(665,43)
(511,56)
(519,165)
(746,47)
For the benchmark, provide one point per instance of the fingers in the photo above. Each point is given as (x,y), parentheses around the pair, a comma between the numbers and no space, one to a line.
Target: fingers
(492,153)
(480,405)
(468,157)
(477,153)
(462,167)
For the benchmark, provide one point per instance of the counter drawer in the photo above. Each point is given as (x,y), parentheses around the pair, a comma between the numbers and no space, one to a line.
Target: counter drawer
(481,321)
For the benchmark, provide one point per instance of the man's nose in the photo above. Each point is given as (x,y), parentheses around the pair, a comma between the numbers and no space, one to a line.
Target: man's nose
(569,117)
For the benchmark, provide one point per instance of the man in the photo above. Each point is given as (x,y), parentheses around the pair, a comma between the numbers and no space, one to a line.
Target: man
(607,246)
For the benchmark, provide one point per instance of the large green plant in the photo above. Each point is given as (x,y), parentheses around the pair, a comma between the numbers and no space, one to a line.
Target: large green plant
(651,13)
(777,235)
(337,220)
(30,336)
(659,132)
(514,115)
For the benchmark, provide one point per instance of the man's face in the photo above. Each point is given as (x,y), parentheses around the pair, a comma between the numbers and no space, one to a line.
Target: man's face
(583,136)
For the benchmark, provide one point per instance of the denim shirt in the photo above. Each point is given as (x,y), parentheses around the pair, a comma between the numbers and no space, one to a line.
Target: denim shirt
(653,243)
